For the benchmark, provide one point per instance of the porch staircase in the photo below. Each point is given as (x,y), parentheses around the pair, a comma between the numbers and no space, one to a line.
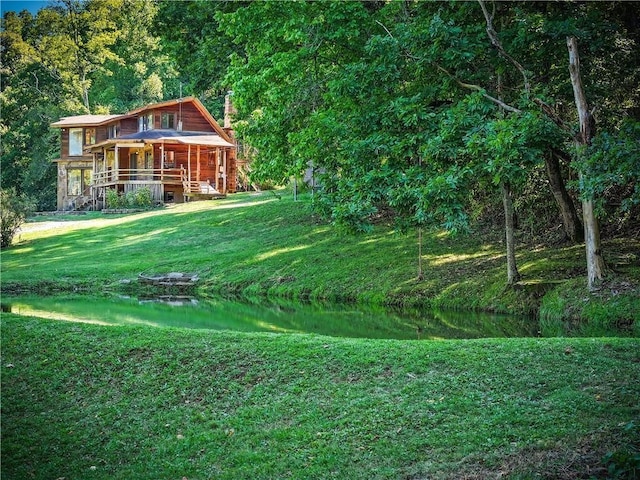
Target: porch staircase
(199,189)
(81,205)
(82,202)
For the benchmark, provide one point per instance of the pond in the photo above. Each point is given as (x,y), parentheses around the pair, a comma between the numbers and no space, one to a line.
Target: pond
(352,321)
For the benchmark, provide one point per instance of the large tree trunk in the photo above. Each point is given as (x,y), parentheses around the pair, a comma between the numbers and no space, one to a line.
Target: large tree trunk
(596,267)
(507,200)
(570,219)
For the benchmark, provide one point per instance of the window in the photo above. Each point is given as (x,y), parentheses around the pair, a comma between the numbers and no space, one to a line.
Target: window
(78,180)
(168,121)
(148,159)
(114,130)
(145,122)
(147,166)
(89,136)
(75,142)
(169,159)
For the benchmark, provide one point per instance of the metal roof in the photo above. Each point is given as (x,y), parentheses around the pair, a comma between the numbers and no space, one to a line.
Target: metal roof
(168,136)
(208,140)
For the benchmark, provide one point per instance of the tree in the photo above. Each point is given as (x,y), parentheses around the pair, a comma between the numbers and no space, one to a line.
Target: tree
(595,263)
(13,212)
(192,37)
(74,57)
(30,97)
(286,55)
(140,72)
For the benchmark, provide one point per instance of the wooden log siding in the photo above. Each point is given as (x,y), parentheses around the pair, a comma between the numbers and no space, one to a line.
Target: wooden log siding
(192,120)
(102,134)
(128,126)
(64,143)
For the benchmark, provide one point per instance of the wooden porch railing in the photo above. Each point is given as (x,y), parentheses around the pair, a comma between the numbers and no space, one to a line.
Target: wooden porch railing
(155,176)
(168,175)
(200,187)
(188,185)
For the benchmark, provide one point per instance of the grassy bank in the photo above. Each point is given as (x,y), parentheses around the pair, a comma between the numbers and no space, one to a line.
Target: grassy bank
(88,401)
(258,244)
(85,401)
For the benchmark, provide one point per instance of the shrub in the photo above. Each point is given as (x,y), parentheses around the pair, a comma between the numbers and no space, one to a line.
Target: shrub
(14,209)
(114,199)
(129,200)
(139,198)
(142,197)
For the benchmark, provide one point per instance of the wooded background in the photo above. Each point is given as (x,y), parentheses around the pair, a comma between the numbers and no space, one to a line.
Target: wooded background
(456,115)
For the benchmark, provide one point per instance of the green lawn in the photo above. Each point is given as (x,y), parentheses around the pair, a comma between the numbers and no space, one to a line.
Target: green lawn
(96,402)
(258,244)
(116,402)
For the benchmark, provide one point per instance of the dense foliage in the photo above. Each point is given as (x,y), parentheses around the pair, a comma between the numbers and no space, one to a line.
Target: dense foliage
(413,105)
(74,57)
(430,114)
(13,212)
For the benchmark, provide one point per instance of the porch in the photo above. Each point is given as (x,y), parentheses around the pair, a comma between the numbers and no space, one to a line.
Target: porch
(165,184)
(173,172)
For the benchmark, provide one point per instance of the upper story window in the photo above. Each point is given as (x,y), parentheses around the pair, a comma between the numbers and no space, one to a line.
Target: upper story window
(114,130)
(168,121)
(75,142)
(89,136)
(145,122)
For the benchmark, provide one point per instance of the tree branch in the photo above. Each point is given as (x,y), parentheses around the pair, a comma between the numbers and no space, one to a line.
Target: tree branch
(495,41)
(478,88)
(462,84)
(550,112)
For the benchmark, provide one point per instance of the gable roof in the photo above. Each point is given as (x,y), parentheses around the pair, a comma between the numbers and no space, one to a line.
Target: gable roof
(166,103)
(96,120)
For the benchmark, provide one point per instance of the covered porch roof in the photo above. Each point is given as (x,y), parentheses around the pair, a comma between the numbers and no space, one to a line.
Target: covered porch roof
(165,136)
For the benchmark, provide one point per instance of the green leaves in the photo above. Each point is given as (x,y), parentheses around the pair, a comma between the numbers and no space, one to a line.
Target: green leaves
(612,162)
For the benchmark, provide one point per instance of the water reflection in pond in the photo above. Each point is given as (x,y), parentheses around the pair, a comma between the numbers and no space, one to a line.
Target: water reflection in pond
(283,317)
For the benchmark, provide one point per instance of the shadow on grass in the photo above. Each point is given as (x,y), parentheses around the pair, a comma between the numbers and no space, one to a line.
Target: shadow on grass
(258,244)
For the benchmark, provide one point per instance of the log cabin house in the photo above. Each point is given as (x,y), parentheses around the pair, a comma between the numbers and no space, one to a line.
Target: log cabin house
(175,148)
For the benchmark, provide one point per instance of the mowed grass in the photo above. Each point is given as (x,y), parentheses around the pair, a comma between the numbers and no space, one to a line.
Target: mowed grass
(259,244)
(95,402)
(252,244)
(92,402)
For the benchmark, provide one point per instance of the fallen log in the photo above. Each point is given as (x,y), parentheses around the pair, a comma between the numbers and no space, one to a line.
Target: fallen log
(173,279)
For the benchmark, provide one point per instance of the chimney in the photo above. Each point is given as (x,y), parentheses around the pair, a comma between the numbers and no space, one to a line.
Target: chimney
(229,111)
